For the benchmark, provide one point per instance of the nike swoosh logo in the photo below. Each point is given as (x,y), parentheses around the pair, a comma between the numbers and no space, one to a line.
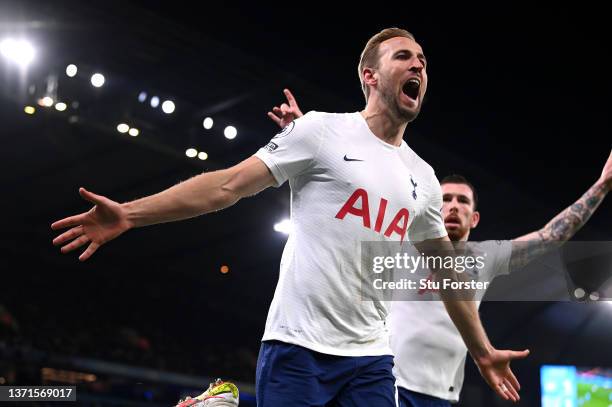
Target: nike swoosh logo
(350,159)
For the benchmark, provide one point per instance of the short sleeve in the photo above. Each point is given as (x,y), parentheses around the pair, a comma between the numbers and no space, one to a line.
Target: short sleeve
(498,254)
(293,151)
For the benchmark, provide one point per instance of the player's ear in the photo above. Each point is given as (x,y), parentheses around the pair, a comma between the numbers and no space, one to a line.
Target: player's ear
(475,219)
(370,76)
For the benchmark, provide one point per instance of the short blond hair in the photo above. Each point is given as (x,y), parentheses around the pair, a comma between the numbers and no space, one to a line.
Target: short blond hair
(369,56)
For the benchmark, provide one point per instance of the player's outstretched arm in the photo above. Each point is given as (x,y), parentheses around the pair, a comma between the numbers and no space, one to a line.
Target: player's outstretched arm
(207,192)
(565,225)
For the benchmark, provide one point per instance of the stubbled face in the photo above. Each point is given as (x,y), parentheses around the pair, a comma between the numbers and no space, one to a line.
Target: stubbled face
(458,211)
(402,76)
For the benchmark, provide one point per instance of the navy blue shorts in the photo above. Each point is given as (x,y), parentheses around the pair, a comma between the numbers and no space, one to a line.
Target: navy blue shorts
(291,375)
(409,398)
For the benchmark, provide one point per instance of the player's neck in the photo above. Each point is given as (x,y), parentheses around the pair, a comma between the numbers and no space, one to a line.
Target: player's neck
(384,126)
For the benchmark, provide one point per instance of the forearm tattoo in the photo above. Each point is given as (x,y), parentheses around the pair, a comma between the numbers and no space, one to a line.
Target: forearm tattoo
(561,228)
(567,223)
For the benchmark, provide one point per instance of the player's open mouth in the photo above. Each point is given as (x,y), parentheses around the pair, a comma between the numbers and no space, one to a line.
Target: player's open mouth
(452,220)
(411,88)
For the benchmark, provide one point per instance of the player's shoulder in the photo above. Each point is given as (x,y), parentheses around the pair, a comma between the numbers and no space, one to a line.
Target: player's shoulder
(487,247)
(329,118)
(328,125)
(420,163)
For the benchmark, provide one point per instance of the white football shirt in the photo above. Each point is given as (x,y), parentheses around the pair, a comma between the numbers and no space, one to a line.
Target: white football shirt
(347,186)
(429,351)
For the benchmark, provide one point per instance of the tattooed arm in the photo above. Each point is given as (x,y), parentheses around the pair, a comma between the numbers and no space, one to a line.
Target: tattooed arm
(563,226)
